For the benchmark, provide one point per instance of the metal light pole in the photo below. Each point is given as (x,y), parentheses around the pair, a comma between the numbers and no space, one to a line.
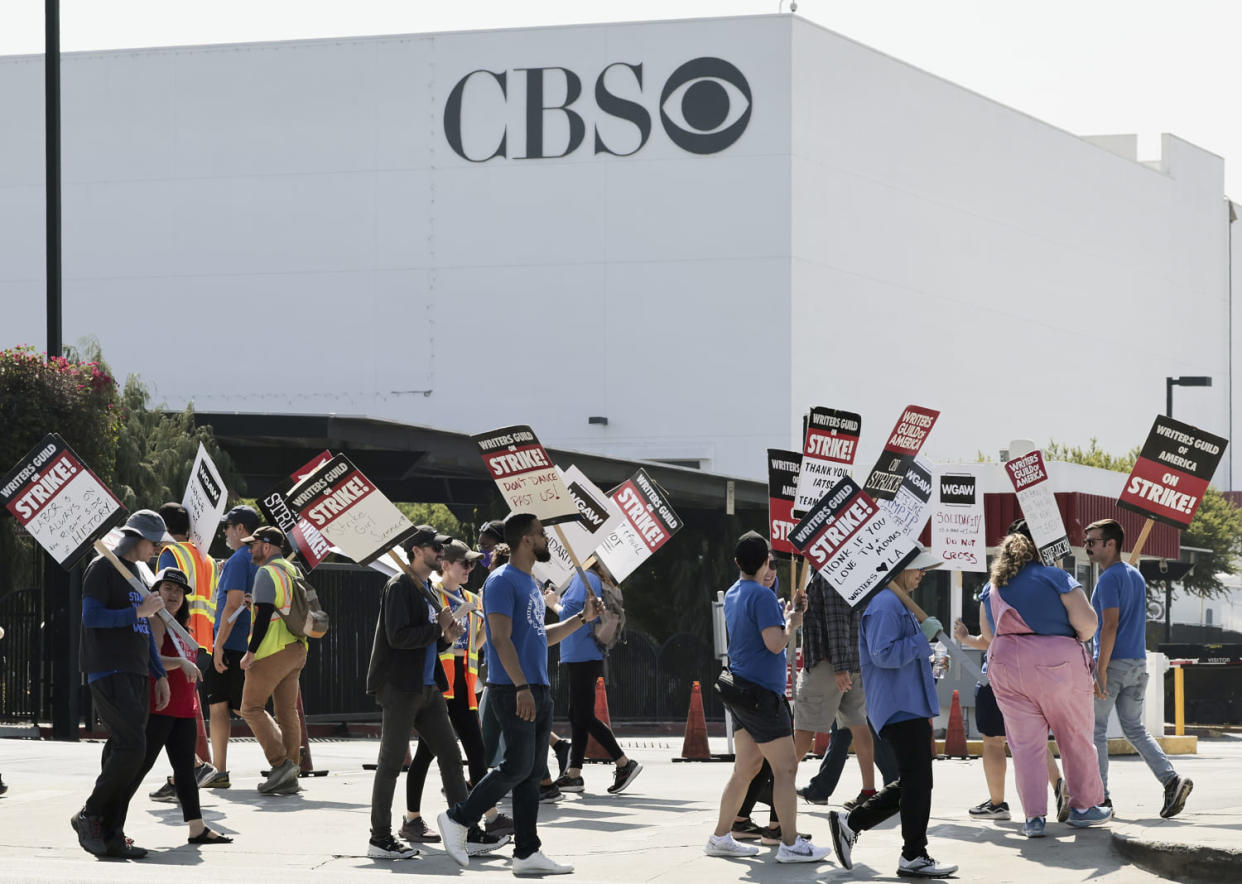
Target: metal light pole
(51,104)
(1197,380)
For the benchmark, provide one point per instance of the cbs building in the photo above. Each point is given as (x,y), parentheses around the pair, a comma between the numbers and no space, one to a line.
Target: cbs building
(658,240)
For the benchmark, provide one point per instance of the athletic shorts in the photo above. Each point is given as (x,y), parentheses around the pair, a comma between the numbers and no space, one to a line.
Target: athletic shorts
(988,717)
(226,687)
(817,702)
(771,721)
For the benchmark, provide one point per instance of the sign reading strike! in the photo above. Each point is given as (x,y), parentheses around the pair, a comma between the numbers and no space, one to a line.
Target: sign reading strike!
(204,499)
(783,471)
(58,500)
(904,443)
(525,475)
(852,542)
(1172,472)
(346,508)
(957,527)
(828,449)
(600,517)
(912,504)
(1029,475)
(648,522)
(312,546)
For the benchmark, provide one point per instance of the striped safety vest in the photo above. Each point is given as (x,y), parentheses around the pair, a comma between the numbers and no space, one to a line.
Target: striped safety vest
(474,622)
(282,573)
(203,572)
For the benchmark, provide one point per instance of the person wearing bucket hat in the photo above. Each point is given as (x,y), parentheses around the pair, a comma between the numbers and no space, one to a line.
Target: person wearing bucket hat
(894,651)
(174,728)
(118,655)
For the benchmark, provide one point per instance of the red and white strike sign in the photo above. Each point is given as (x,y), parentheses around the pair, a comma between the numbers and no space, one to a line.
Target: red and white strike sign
(1172,472)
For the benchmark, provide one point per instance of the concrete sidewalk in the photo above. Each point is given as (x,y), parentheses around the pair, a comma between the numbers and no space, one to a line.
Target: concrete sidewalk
(653,832)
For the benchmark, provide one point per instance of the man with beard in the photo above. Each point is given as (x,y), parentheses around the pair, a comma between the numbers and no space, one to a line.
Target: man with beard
(517,648)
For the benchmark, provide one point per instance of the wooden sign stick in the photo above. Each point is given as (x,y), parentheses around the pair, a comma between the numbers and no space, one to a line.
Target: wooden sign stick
(950,645)
(1142,539)
(421,584)
(136,583)
(573,558)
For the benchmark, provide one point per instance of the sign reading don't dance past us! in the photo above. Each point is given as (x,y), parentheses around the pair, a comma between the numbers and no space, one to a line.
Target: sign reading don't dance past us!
(525,475)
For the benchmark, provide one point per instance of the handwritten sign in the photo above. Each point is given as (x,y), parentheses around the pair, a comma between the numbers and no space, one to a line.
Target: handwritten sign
(525,475)
(783,472)
(957,527)
(600,517)
(1029,476)
(829,445)
(204,499)
(648,523)
(346,508)
(906,440)
(58,500)
(912,505)
(1172,472)
(852,542)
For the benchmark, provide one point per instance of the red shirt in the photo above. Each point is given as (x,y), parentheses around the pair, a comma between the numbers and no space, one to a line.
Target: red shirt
(184,701)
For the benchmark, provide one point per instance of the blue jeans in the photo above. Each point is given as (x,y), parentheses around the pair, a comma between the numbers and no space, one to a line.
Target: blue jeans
(1127,683)
(520,770)
(824,783)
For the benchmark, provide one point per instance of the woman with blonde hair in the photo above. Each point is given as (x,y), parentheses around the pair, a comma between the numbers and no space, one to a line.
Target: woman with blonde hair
(1041,676)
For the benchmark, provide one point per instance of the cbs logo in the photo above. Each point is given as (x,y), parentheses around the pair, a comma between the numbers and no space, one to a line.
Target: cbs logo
(704,107)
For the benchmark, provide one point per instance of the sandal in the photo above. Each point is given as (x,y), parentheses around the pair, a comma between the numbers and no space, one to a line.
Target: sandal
(209,836)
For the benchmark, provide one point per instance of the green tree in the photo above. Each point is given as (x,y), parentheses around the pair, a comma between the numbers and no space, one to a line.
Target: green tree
(1216,527)
(437,515)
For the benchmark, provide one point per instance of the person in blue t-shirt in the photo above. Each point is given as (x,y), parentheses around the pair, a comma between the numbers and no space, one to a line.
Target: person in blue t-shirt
(584,662)
(1120,648)
(519,696)
(895,656)
(225,679)
(759,629)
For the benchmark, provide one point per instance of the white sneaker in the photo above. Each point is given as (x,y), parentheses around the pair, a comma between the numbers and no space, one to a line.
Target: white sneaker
(843,837)
(454,835)
(924,867)
(801,851)
(725,845)
(538,864)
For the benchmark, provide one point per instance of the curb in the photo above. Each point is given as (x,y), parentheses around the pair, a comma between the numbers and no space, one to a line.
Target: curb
(1181,862)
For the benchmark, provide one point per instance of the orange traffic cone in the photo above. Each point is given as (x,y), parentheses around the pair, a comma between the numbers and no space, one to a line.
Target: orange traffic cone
(821,744)
(955,735)
(694,747)
(594,751)
(203,747)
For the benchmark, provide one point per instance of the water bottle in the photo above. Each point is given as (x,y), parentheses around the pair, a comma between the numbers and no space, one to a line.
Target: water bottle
(941,663)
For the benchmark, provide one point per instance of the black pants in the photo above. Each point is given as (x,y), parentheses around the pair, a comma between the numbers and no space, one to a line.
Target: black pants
(178,737)
(911,742)
(466,725)
(121,701)
(760,792)
(582,720)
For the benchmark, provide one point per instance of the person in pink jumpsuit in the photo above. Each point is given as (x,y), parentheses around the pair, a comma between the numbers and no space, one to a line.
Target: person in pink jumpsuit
(1041,676)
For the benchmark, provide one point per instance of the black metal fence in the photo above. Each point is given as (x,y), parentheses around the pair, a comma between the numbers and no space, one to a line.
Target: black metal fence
(22,675)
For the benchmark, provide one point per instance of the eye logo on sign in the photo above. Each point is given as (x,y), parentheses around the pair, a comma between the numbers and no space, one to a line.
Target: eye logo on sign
(701,105)
(705,106)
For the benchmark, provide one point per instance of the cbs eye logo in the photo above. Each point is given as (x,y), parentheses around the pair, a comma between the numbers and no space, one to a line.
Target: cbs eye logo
(705,105)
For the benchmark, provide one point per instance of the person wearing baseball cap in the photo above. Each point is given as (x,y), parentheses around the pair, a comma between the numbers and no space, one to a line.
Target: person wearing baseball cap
(225,678)
(118,656)
(895,652)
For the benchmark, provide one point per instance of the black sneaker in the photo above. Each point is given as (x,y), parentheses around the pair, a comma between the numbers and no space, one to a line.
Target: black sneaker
(1063,805)
(549,793)
(570,784)
(989,811)
(854,802)
(771,836)
(500,825)
(166,792)
(120,847)
(1175,792)
(625,776)
(90,833)
(3,787)
(561,751)
(416,831)
(805,794)
(389,848)
(746,830)
(479,842)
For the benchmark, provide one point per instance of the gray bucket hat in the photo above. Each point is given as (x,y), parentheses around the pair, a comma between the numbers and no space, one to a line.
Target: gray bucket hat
(147,524)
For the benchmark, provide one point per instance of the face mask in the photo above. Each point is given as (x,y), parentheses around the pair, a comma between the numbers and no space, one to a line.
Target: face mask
(487,559)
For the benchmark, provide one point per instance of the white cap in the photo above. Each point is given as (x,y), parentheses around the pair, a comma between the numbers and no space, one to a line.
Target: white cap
(923,561)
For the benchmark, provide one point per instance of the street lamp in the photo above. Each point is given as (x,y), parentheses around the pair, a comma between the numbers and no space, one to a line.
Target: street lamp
(1196,380)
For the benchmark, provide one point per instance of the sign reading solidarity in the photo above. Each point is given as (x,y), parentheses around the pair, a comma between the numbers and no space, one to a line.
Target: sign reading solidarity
(58,500)
(346,508)
(600,517)
(525,475)
(648,522)
(783,473)
(906,440)
(1029,475)
(204,499)
(852,542)
(1172,472)
(957,527)
(912,504)
(828,449)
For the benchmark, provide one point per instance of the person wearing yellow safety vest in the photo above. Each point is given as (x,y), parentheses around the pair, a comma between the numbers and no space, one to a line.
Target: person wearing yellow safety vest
(200,571)
(273,664)
(460,662)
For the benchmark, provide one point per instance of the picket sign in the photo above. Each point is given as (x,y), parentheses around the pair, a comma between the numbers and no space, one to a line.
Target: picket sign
(573,557)
(169,621)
